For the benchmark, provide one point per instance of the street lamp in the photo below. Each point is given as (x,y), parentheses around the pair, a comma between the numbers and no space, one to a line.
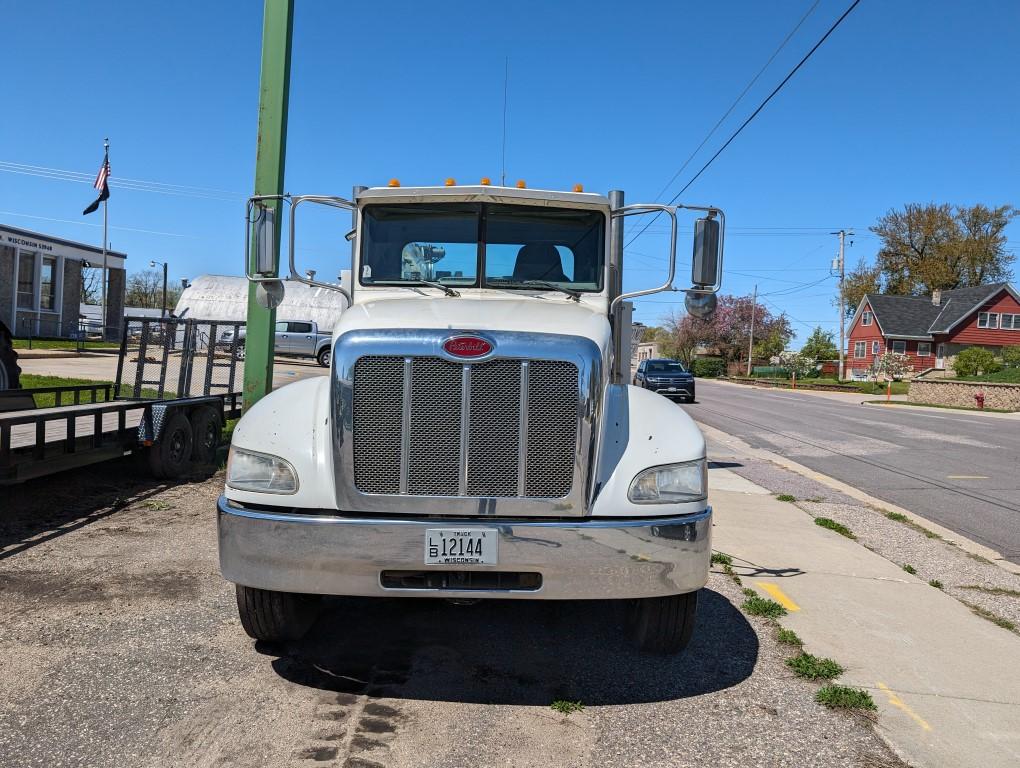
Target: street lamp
(163,263)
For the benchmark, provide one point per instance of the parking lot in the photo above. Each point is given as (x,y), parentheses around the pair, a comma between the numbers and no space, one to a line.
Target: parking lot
(122,647)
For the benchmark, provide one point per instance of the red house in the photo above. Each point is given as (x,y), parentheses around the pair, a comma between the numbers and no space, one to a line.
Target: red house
(931,330)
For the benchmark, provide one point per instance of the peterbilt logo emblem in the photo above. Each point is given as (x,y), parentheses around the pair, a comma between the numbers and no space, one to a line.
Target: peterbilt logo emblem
(467,346)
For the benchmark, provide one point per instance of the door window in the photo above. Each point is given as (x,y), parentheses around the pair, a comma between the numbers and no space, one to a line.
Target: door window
(281,327)
(300,327)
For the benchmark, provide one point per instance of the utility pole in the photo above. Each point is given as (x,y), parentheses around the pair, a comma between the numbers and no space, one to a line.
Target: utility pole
(750,341)
(106,219)
(164,265)
(274,90)
(841,269)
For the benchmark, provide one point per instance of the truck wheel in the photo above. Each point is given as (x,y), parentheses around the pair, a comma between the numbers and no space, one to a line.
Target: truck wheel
(206,428)
(324,357)
(664,624)
(239,351)
(171,455)
(275,616)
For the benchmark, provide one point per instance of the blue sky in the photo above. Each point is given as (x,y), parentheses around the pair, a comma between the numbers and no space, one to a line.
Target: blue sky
(906,102)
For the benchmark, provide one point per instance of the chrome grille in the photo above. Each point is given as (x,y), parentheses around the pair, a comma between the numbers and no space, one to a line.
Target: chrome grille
(494,428)
(425,426)
(551,429)
(433,455)
(377,450)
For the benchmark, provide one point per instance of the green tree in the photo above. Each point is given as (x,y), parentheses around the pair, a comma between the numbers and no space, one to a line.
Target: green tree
(650,333)
(820,345)
(940,246)
(860,280)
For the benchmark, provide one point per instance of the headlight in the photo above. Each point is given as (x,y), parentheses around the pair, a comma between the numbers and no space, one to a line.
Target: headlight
(670,483)
(260,472)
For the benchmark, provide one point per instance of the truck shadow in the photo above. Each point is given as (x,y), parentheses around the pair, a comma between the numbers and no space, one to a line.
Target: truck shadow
(511,652)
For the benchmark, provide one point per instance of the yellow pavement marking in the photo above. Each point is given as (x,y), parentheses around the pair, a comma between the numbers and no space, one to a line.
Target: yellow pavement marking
(967,477)
(896,701)
(779,596)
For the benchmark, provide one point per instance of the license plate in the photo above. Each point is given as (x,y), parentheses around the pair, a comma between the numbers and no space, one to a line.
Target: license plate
(461,546)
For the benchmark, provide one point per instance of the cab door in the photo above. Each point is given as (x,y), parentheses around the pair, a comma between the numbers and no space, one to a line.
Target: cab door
(284,342)
(302,338)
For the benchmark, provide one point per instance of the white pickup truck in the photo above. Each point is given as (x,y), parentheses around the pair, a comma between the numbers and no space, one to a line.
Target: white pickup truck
(477,437)
(293,338)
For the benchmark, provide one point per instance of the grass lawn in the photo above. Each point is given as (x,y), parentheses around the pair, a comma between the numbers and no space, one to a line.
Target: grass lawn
(68,344)
(1005,376)
(866,387)
(33,380)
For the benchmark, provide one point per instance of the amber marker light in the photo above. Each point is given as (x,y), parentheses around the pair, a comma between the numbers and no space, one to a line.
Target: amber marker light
(579,187)
(394,182)
(451,182)
(521,184)
(486,181)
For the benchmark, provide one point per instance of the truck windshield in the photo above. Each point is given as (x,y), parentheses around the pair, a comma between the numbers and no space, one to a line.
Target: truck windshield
(510,246)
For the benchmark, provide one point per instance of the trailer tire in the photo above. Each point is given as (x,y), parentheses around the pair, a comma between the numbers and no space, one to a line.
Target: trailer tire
(207,430)
(324,357)
(171,455)
(664,624)
(274,617)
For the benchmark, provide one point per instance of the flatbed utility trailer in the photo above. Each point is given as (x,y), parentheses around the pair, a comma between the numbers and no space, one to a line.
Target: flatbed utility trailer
(165,402)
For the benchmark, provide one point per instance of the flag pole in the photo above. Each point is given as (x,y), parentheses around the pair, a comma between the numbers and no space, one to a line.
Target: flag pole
(106,160)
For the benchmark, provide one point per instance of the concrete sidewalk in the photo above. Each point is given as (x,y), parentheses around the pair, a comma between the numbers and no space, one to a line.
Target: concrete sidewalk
(946,681)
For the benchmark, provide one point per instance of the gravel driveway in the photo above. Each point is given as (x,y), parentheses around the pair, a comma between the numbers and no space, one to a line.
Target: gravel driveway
(121,647)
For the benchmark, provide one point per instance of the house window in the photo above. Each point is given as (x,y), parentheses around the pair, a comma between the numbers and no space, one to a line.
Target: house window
(1010,322)
(26,280)
(988,320)
(876,348)
(866,318)
(48,281)
(860,349)
(923,349)
(899,347)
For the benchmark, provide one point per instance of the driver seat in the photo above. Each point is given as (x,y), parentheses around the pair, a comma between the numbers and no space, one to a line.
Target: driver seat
(539,261)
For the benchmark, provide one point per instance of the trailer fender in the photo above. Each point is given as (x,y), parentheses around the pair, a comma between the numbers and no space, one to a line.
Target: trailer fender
(642,429)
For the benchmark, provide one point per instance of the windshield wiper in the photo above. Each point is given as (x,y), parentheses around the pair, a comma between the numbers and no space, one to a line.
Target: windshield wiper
(502,283)
(431,283)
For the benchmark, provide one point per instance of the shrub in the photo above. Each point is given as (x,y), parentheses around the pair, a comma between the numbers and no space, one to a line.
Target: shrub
(708,367)
(1011,356)
(975,361)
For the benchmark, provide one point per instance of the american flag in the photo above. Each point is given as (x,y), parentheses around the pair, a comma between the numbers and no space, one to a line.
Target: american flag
(102,184)
(103,175)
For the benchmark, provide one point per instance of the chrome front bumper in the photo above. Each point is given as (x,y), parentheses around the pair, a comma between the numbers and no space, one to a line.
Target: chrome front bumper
(577,559)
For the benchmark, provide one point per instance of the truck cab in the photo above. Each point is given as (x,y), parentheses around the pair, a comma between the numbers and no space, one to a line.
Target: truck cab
(477,437)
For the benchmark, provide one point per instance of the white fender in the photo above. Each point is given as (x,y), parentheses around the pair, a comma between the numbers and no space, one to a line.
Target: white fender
(292,422)
(642,429)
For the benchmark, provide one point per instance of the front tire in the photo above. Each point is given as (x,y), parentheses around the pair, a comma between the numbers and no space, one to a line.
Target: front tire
(664,624)
(274,617)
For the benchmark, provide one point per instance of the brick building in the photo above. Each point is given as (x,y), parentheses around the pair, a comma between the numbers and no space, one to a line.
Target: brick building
(40,283)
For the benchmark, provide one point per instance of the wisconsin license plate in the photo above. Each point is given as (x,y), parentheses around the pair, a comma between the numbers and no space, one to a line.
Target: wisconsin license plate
(461,546)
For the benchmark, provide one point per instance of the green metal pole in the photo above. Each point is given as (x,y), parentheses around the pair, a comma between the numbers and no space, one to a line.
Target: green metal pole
(274,90)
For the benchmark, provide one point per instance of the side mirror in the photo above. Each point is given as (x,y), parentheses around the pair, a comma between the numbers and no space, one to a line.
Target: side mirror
(265,241)
(707,254)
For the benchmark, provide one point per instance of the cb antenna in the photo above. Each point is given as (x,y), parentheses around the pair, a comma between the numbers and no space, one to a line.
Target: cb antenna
(506,81)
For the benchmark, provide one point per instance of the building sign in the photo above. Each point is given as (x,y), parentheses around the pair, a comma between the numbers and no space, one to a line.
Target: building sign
(11,239)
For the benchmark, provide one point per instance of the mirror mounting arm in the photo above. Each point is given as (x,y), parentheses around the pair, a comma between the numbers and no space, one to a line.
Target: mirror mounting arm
(670,210)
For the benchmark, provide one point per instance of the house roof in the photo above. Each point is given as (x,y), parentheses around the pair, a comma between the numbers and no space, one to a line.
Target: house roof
(916,316)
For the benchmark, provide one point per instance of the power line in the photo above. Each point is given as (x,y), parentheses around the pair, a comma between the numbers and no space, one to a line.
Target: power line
(737,100)
(754,114)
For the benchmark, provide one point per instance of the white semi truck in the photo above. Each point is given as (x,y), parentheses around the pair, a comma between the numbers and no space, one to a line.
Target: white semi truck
(477,437)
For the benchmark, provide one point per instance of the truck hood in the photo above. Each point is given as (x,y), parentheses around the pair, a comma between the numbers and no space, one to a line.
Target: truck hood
(524,315)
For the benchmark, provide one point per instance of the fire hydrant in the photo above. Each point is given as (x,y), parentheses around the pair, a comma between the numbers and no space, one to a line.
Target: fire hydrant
(979,398)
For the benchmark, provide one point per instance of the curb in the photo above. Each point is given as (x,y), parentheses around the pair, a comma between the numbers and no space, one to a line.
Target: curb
(928,409)
(967,545)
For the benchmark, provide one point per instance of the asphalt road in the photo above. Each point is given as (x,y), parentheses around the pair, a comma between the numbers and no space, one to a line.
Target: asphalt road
(958,470)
